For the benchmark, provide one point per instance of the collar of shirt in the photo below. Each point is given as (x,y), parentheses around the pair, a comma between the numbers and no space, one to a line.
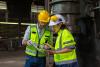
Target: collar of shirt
(40,30)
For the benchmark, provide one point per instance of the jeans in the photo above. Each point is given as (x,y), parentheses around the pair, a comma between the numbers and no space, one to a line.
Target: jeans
(35,61)
(75,64)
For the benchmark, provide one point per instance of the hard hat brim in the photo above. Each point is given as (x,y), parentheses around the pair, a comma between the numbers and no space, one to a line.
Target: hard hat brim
(53,23)
(45,21)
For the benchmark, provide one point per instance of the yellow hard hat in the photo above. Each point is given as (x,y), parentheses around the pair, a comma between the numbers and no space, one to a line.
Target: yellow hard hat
(43,16)
(54,18)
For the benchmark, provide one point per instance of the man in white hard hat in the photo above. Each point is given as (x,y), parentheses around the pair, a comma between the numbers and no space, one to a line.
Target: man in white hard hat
(65,51)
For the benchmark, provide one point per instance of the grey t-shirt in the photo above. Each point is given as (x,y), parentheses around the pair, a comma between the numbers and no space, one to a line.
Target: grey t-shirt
(27,33)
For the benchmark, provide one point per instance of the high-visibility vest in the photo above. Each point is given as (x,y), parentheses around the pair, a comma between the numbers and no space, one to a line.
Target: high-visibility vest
(34,37)
(65,40)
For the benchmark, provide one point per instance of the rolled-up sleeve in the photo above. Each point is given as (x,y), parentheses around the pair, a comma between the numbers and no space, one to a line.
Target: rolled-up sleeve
(68,40)
(27,33)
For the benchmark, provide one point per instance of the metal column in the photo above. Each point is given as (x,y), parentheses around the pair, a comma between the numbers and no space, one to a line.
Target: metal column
(47,5)
(69,9)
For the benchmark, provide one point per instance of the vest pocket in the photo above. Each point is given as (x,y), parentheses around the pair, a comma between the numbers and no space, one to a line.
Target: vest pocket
(33,36)
(33,32)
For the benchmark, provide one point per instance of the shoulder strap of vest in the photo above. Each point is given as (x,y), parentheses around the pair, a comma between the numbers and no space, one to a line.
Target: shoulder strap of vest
(34,25)
(60,42)
(31,28)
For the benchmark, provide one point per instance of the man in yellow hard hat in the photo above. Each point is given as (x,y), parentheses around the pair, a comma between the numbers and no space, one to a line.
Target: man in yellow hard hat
(35,38)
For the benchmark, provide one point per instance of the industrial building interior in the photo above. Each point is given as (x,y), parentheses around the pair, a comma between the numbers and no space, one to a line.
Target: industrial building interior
(83,18)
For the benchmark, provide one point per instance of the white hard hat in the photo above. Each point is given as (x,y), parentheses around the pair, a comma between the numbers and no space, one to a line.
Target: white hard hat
(56,19)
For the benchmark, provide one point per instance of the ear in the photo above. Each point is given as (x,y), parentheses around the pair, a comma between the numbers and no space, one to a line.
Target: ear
(63,22)
(60,24)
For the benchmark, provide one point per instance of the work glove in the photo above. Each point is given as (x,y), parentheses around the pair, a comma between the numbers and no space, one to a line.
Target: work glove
(46,47)
(49,47)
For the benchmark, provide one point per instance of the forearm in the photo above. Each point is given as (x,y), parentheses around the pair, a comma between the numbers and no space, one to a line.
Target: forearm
(26,36)
(65,50)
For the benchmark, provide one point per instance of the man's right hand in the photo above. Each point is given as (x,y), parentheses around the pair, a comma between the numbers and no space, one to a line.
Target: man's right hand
(29,42)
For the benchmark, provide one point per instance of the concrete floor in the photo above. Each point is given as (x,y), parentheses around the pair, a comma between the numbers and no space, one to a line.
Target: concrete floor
(17,59)
(12,58)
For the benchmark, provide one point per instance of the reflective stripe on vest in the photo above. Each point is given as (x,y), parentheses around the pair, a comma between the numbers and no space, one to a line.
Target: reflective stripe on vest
(33,53)
(30,50)
(68,42)
(60,44)
(66,62)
